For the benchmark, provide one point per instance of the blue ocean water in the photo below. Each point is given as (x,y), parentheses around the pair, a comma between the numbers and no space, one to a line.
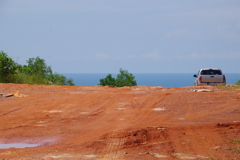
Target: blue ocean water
(147,79)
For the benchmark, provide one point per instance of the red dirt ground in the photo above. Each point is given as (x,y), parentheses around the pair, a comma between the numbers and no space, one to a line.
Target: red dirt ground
(137,123)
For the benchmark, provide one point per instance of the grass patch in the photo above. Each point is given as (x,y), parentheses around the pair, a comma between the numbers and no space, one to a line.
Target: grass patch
(235,149)
(234,141)
(213,157)
(230,87)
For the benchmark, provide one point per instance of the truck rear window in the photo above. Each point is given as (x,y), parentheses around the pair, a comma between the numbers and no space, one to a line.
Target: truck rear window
(211,72)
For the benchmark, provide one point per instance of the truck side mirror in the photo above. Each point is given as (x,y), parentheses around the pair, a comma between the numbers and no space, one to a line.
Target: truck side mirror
(195,75)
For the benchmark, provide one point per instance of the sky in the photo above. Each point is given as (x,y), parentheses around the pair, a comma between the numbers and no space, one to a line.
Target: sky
(141,36)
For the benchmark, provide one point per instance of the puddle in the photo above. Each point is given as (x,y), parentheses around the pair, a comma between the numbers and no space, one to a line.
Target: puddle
(17,145)
(27,143)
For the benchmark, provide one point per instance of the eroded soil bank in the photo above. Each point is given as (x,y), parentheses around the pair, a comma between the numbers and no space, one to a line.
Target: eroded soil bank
(95,122)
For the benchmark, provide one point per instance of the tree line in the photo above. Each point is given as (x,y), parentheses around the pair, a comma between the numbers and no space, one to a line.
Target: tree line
(35,72)
(38,72)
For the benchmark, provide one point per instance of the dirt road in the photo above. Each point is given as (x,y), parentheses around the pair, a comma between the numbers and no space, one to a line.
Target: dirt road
(137,123)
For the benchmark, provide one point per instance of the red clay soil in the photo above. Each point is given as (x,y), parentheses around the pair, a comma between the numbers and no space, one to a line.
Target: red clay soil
(137,123)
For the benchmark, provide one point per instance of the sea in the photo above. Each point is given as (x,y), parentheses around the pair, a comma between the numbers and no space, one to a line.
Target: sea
(146,79)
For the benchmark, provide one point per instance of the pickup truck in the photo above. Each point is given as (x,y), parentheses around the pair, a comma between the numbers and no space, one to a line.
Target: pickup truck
(209,76)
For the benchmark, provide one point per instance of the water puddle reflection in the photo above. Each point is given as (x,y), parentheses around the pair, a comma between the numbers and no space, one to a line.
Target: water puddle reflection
(27,143)
(17,145)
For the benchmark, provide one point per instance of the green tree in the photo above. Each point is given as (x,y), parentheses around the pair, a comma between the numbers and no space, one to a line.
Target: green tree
(7,67)
(37,66)
(108,81)
(59,79)
(123,79)
(35,72)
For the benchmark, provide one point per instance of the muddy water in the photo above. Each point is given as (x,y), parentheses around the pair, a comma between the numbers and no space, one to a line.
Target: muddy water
(17,145)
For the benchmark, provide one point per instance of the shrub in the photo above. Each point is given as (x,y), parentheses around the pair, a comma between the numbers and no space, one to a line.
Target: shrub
(238,82)
(7,67)
(59,79)
(108,81)
(123,79)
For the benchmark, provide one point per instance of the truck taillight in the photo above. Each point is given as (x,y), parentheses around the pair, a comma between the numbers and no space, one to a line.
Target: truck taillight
(200,78)
(224,78)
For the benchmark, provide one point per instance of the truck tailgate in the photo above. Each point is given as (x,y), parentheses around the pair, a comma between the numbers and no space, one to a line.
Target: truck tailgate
(212,78)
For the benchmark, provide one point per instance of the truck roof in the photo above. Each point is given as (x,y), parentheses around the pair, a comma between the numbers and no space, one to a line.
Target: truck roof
(210,69)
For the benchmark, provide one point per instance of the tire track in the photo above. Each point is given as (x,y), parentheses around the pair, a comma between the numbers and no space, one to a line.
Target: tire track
(10,112)
(115,143)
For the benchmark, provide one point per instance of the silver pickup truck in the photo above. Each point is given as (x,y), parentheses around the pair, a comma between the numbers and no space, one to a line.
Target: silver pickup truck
(209,76)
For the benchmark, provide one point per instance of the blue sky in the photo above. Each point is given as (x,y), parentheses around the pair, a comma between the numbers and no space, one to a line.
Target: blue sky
(142,36)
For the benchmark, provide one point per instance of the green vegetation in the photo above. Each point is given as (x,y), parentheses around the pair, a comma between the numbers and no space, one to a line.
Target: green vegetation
(123,79)
(230,87)
(35,72)
(234,141)
(7,67)
(238,82)
(213,157)
(235,146)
